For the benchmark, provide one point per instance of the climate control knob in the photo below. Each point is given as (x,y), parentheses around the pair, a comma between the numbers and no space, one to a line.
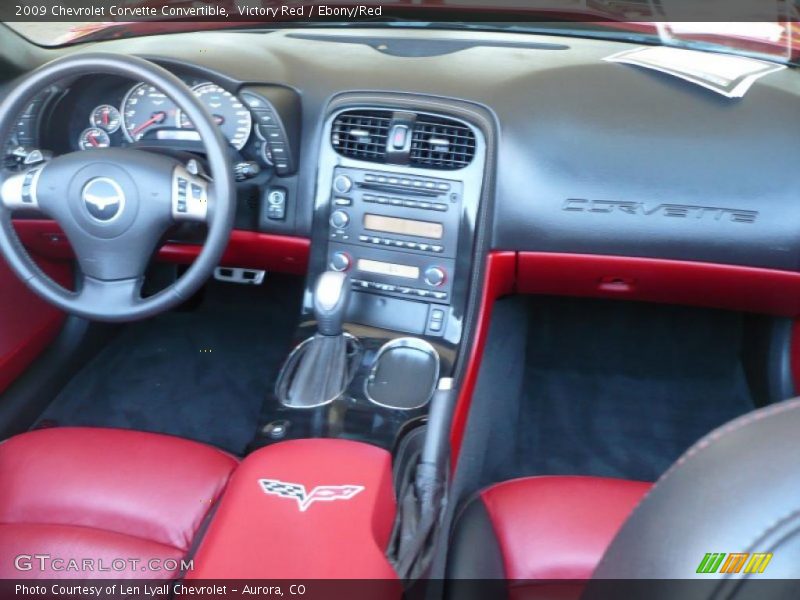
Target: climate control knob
(340,261)
(339,219)
(434,276)
(342,184)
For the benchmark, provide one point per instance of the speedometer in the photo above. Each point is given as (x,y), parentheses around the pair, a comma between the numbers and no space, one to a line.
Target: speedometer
(230,115)
(145,108)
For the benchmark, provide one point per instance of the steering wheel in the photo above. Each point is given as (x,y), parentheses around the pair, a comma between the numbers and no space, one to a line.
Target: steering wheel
(115,204)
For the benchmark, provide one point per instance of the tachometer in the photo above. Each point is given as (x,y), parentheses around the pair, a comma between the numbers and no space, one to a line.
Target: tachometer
(144,108)
(230,115)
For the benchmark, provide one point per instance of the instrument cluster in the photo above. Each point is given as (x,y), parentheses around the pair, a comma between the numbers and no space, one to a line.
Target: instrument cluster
(104,111)
(146,113)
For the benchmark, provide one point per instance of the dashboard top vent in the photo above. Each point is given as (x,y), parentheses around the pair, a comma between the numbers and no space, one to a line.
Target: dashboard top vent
(440,143)
(362,134)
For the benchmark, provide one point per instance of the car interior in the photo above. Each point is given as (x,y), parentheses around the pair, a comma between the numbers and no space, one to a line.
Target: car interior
(394,304)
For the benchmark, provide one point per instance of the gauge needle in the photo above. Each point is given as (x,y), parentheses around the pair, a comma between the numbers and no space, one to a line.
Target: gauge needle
(157,117)
(105,116)
(93,140)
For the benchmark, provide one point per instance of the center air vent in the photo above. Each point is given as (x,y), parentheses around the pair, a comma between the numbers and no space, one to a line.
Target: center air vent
(362,134)
(439,143)
(434,142)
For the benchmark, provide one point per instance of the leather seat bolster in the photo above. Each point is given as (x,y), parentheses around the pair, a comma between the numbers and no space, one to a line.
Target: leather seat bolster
(81,553)
(93,486)
(541,528)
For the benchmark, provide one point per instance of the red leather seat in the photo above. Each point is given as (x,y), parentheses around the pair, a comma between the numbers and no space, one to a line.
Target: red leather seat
(541,528)
(106,496)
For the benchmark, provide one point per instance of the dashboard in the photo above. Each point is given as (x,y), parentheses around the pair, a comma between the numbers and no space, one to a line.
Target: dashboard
(589,157)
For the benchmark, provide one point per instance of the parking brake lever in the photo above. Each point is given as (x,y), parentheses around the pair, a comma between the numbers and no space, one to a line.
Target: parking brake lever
(430,474)
(422,507)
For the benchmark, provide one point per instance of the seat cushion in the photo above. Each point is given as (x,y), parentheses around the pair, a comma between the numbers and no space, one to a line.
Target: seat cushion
(541,527)
(104,493)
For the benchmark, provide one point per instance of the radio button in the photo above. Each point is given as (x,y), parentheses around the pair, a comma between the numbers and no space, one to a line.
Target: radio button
(363,238)
(395,202)
(440,207)
(369,178)
(445,187)
(439,295)
(430,185)
(434,276)
(339,219)
(436,249)
(340,261)
(342,184)
(411,245)
(383,200)
(343,202)
(424,205)
(369,198)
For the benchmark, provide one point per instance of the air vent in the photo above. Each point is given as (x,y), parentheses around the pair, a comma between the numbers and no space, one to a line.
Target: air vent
(362,134)
(441,143)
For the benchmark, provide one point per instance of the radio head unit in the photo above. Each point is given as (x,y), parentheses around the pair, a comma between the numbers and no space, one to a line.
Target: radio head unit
(419,215)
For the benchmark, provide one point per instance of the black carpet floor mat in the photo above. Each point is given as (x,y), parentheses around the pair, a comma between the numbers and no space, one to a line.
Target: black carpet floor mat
(201,374)
(623,389)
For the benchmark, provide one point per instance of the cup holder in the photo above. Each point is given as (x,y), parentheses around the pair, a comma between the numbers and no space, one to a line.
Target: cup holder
(286,382)
(404,374)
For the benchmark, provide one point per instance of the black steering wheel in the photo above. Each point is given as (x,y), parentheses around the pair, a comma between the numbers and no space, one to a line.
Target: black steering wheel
(115,204)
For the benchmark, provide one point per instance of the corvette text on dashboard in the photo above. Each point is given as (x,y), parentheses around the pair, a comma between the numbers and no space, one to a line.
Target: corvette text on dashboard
(243,10)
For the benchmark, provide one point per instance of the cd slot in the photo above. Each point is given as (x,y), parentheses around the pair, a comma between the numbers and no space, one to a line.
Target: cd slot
(396,189)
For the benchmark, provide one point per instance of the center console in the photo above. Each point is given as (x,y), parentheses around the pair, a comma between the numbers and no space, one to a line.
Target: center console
(401,222)
(396,209)
(398,237)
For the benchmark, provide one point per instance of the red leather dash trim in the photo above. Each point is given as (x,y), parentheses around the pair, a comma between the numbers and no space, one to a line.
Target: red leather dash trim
(253,250)
(249,249)
(498,280)
(731,287)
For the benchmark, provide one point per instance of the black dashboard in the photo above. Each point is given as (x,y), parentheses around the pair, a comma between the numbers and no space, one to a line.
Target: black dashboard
(588,157)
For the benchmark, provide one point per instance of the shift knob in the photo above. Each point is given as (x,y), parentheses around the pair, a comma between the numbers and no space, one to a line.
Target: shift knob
(331,295)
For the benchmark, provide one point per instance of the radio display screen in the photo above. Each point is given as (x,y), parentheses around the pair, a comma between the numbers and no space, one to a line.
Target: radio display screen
(384,224)
(384,268)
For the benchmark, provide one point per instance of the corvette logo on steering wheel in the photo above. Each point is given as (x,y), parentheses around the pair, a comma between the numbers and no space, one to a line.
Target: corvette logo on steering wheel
(297,491)
(103,198)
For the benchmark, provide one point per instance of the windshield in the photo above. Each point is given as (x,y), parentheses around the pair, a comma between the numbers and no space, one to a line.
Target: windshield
(772,31)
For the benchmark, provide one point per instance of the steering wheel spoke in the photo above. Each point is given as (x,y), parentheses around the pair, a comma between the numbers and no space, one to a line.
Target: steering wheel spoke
(190,195)
(120,295)
(18,191)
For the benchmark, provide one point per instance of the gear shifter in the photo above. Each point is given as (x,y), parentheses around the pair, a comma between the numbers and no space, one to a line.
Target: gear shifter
(320,369)
(331,296)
